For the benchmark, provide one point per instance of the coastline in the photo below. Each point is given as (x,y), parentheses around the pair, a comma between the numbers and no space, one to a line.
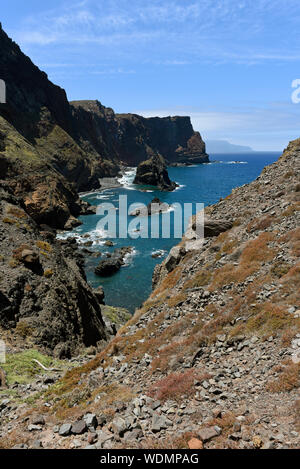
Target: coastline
(105,183)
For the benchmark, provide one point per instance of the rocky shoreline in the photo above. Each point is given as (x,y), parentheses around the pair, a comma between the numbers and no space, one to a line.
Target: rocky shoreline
(212,358)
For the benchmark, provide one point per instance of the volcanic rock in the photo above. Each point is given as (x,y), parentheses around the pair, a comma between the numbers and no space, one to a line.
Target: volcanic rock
(153,172)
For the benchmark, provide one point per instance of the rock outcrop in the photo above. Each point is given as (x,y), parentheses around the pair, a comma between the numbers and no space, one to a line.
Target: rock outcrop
(153,172)
(153,208)
(44,296)
(113,263)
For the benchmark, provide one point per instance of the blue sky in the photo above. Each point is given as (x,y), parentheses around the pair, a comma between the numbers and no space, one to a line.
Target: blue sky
(227,63)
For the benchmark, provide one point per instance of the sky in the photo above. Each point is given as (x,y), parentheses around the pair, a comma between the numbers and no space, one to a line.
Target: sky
(229,64)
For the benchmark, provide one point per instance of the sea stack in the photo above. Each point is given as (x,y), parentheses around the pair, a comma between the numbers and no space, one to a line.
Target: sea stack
(153,172)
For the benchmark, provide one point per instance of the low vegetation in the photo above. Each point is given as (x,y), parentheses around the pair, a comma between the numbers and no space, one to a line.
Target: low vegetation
(22,369)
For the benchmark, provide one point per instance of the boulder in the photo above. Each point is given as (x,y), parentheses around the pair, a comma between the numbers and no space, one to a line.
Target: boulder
(38,420)
(174,257)
(112,264)
(108,267)
(72,223)
(159,422)
(29,257)
(154,207)
(65,429)
(119,426)
(133,435)
(194,443)
(91,421)
(214,227)
(78,428)
(207,434)
(108,243)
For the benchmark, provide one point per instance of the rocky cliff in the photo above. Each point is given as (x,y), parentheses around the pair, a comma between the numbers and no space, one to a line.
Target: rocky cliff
(212,358)
(44,297)
(171,137)
(50,148)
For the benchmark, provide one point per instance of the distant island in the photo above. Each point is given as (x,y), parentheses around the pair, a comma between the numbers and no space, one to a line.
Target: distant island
(223,146)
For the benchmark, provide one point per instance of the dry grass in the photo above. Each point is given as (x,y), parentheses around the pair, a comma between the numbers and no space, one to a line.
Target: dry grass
(177,300)
(23,329)
(44,246)
(289,378)
(9,441)
(169,281)
(228,246)
(75,403)
(162,360)
(288,336)
(293,239)
(48,273)
(269,318)
(17,253)
(16,212)
(291,210)
(8,221)
(288,174)
(259,224)
(231,274)
(279,269)
(258,250)
(297,414)
(290,236)
(254,254)
(201,278)
(174,386)
(226,423)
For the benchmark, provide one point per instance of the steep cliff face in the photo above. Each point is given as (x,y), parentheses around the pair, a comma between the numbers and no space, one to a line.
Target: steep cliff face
(175,139)
(44,296)
(72,145)
(39,155)
(131,138)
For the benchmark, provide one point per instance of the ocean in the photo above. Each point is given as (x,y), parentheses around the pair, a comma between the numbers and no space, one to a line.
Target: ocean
(205,183)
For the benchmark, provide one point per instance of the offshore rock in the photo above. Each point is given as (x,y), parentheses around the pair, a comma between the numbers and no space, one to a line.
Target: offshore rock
(111,265)
(153,172)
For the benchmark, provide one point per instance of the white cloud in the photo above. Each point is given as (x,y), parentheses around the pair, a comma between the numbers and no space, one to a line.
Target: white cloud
(268,129)
(175,30)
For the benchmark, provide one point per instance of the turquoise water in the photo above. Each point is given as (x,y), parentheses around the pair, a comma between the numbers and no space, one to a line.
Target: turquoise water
(198,184)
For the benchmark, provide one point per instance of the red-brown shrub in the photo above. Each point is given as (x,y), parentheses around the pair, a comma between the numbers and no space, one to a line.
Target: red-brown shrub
(173,386)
